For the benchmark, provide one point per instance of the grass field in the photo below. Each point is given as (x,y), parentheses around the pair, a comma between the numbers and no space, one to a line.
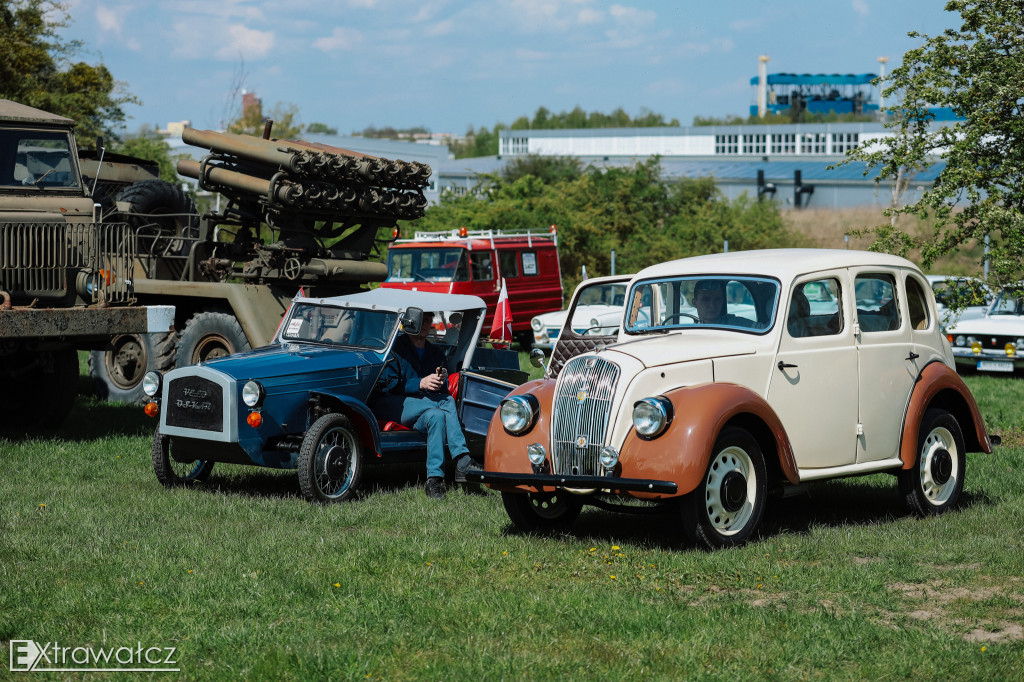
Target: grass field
(249,581)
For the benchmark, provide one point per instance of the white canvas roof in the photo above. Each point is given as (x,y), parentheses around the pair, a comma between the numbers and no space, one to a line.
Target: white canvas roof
(399,300)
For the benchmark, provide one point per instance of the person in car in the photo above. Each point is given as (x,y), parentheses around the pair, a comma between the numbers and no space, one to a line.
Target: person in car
(709,299)
(414,392)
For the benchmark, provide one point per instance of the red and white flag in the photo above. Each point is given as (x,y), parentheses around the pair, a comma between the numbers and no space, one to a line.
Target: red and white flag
(501,327)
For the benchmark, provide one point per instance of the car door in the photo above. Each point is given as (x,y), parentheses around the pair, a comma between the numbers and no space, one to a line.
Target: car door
(813,388)
(888,365)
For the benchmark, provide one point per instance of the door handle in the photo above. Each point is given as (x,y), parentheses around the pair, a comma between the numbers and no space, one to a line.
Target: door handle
(913,356)
(784,365)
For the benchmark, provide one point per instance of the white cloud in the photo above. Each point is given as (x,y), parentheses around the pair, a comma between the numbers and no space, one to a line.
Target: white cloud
(440,28)
(861,7)
(341,38)
(109,19)
(249,43)
(590,16)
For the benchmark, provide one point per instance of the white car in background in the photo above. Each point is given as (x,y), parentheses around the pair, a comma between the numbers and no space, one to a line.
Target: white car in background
(992,341)
(602,302)
(941,286)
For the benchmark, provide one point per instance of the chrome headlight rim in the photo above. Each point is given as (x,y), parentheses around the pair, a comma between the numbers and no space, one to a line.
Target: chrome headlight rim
(656,413)
(536,324)
(152,382)
(518,414)
(253,393)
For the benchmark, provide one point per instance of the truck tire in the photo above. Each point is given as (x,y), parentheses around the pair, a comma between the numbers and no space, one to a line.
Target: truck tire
(162,215)
(208,336)
(41,390)
(117,372)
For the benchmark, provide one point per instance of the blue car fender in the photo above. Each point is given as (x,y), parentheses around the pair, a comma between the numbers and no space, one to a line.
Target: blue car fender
(362,417)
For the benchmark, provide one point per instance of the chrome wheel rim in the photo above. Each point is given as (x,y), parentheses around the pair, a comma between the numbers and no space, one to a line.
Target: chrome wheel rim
(184,471)
(333,466)
(936,484)
(730,491)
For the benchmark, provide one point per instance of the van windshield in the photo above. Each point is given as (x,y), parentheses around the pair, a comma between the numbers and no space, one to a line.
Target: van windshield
(433,264)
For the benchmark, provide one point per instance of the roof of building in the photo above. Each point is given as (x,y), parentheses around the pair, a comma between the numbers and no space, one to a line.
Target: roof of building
(818,79)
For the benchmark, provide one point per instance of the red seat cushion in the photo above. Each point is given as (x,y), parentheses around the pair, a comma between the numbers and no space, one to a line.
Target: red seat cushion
(393,426)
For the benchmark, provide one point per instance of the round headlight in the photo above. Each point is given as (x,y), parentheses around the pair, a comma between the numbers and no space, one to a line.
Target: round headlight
(960,340)
(651,416)
(609,457)
(252,393)
(518,413)
(536,324)
(1019,342)
(151,384)
(536,453)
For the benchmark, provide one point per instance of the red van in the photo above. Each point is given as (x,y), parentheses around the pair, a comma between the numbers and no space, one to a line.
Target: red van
(474,262)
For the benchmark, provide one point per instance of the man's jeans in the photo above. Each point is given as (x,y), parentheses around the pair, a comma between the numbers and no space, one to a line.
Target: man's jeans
(435,415)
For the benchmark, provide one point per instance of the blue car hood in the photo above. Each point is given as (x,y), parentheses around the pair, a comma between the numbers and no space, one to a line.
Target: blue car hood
(291,362)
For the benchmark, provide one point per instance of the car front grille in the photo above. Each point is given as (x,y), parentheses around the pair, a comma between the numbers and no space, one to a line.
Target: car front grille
(579,419)
(195,403)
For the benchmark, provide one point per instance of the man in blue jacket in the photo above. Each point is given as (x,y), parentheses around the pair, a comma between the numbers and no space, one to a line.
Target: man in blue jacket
(414,392)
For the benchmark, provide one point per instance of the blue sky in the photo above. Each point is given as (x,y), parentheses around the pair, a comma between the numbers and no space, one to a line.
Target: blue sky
(449,64)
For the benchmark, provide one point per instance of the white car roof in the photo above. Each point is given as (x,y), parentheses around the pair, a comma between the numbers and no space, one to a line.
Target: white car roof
(398,300)
(784,264)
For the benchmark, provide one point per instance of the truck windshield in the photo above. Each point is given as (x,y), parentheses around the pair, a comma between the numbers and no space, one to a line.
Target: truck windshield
(35,158)
(719,301)
(351,327)
(428,265)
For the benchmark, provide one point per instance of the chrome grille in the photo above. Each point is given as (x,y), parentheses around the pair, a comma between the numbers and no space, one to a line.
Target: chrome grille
(579,419)
(41,260)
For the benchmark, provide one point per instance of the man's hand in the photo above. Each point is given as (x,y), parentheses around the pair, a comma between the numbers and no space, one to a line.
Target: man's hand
(432,383)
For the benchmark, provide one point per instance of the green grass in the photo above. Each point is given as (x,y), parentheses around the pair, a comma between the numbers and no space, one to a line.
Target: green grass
(248,580)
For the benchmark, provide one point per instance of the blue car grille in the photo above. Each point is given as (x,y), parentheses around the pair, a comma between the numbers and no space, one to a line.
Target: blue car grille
(579,418)
(195,403)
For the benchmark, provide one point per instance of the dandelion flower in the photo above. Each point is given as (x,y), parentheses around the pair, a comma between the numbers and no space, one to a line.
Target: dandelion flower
(615,546)
(613,577)
(337,584)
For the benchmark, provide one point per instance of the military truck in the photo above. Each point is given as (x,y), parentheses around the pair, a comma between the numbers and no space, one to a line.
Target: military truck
(296,216)
(65,272)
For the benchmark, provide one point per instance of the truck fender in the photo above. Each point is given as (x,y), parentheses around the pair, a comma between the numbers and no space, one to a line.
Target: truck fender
(939,386)
(356,410)
(682,452)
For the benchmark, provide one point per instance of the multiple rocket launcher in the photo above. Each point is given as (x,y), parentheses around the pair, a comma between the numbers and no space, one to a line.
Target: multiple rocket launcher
(303,177)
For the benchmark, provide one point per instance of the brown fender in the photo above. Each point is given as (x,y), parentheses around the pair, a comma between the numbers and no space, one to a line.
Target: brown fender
(940,386)
(507,453)
(682,452)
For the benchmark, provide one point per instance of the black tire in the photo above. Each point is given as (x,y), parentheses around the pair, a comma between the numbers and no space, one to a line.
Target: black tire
(933,485)
(162,215)
(542,512)
(726,507)
(40,390)
(117,372)
(330,460)
(208,336)
(172,473)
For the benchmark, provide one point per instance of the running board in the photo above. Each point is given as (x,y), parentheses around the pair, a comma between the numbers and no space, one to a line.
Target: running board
(850,469)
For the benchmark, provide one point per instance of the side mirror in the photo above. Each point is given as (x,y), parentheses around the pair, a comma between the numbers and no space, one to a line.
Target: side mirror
(412,321)
(537,357)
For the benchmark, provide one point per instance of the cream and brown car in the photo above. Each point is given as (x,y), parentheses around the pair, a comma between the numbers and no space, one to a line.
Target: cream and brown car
(725,383)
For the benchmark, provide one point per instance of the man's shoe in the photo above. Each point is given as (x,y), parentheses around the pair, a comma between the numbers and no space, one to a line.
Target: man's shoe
(464,465)
(435,487)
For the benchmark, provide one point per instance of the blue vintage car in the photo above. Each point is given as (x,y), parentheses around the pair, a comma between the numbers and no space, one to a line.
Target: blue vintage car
(302,402)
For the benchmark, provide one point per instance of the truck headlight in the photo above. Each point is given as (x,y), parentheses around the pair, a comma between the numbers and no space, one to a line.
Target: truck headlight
(151,384)
(252,393)
(536,324)
(519,413)
(651,416)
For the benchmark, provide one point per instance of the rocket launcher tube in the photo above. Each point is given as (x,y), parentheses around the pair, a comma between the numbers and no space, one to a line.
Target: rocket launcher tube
(284,192)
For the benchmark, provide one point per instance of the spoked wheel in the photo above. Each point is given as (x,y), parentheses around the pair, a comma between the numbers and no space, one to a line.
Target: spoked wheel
(330,460)
(936,480)
(542,512)
(726,508)
(170,471)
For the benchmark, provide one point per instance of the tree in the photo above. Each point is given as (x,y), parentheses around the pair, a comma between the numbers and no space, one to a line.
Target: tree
(151,147)
(321,129)
(978,72)
(549,169)
(251,121)
(38,69)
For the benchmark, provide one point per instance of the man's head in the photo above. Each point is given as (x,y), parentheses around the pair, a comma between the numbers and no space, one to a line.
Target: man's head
(709,299)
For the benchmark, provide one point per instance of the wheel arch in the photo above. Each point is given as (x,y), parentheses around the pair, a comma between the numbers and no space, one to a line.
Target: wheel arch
(362,418)
(940,387)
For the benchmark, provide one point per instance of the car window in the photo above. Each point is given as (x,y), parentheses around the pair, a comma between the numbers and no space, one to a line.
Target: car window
(530,263)
(814,309)
(603,294)
(335,325)
(721,301)
(481,266)
(508,262)
(877,306)
(917,304)
(38,158)
(1008,304)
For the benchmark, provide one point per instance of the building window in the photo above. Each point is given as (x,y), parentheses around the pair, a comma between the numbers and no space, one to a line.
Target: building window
(844,142)
(727,144)
(455,191)
(812,143)
(519,145)
(755,144)
(783,143)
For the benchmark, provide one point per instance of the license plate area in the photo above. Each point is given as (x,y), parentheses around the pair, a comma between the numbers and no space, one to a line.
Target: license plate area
(994,366)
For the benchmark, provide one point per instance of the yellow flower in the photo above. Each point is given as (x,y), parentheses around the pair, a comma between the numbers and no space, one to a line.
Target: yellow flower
(983,648)
(335,584)
(593,549)
(613,577)
(615,546)
(42,505)
(190,570)
(504,552)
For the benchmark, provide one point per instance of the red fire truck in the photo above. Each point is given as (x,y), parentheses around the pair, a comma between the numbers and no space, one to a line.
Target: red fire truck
(474,262)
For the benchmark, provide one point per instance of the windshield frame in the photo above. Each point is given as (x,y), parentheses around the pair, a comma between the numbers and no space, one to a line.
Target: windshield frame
(684,321)
(291,327)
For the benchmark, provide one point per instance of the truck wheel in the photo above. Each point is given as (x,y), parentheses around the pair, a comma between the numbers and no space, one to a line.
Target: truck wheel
(46,385)
(542,512)
(936,480)
(162,215)
(330,460)
(117,373)
(169,471)
(208,336)
(726,507)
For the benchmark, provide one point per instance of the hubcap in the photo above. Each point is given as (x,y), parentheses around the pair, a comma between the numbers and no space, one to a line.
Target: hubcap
(334,467)
(730,491)
(734,491)
(942,466)
(939,466)
(126,361)
(210,348)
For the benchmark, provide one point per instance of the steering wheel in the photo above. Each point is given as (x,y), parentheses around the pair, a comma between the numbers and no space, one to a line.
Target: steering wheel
(373,341)
(676,316)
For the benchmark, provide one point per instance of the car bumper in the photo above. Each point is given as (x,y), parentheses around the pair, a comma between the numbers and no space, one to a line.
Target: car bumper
(501,479)
(988,362)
